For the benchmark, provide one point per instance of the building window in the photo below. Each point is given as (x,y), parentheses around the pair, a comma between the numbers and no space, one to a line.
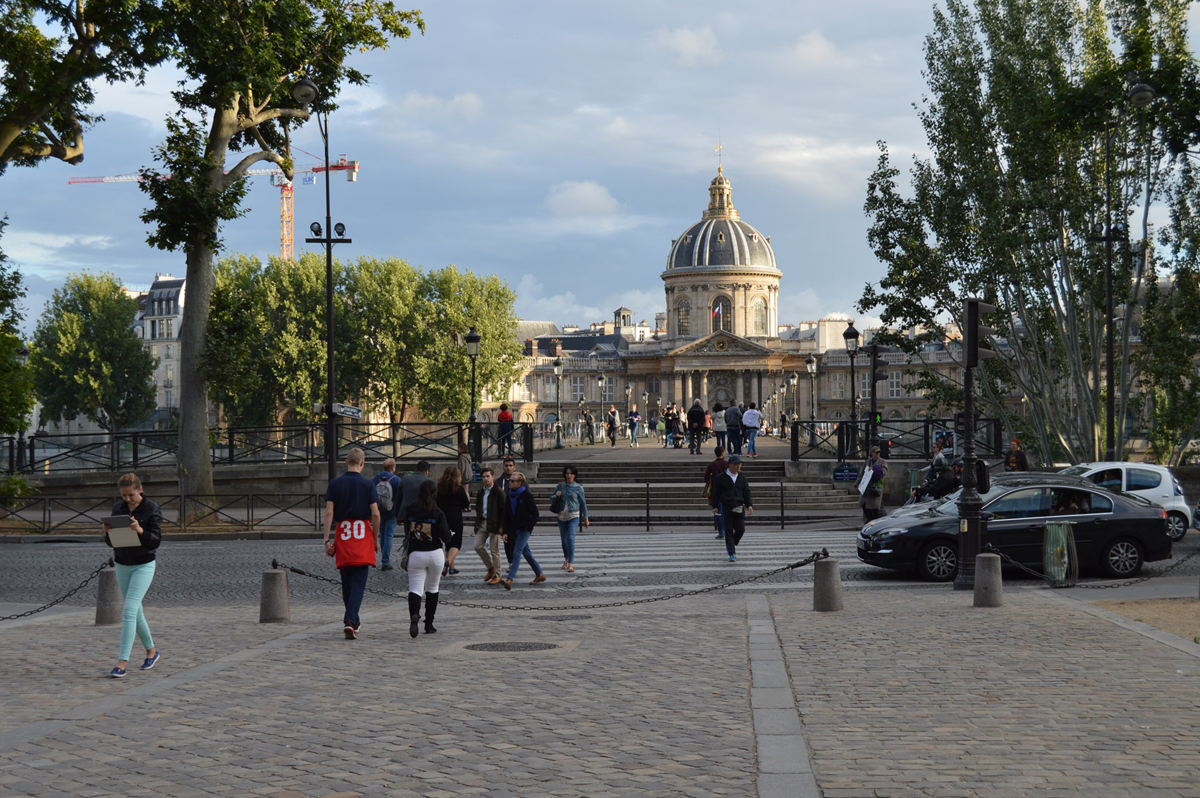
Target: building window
(169,403)
(895,415)
(170,324)
(578,387)
(551,392)
(154,351)
(722,315)
(720,238)
(527,388)
(609,387)
(864,384)
(653,385)
(837,386)
(758,315)
(894,390)
(683,313)
(168,351)
(170,373)
(153,329)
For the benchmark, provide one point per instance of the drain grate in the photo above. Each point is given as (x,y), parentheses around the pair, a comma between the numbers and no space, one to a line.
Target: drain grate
(563,617)
(511,646)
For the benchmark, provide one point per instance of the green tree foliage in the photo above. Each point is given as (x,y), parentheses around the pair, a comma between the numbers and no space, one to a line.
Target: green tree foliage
(399,337)
(240,60)
(86,357)
(50,53)
(1022,95)
(16,389)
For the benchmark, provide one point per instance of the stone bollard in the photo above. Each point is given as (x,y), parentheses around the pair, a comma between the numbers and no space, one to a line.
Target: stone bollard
(827,586)
(275,606)
(989,587)
(109,601)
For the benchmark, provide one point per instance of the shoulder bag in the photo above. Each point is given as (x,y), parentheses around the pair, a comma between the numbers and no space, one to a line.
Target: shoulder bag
(559,503)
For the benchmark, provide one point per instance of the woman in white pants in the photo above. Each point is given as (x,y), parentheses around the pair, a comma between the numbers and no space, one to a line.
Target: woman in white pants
(428,537)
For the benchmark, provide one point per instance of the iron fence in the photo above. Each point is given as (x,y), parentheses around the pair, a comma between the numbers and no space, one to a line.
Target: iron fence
(901,439)
(234,512)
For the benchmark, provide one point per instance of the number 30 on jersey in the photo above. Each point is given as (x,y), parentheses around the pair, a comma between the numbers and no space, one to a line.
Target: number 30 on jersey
(356,529)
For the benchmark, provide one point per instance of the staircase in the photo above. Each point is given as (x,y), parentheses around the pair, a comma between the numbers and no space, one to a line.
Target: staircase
(617,492)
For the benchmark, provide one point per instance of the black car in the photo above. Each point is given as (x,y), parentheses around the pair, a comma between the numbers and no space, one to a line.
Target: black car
(1116,532)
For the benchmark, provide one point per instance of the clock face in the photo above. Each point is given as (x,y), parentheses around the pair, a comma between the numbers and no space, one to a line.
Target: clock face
(721,345)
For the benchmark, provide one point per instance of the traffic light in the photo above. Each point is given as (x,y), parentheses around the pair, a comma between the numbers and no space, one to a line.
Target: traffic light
(960,424)
(983,477)
(877,417)
(876,363)
(973,331)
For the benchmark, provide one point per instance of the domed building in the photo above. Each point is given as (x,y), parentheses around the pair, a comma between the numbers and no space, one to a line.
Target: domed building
(721,274)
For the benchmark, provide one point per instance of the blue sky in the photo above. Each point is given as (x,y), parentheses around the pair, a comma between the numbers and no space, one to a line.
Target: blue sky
(561,146)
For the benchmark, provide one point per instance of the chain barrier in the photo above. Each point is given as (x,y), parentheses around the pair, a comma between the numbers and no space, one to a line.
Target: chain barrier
(62,598)
(989,548)
(809,560)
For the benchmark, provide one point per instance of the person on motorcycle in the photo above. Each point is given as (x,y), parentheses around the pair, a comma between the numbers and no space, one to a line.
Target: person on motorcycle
(946,482)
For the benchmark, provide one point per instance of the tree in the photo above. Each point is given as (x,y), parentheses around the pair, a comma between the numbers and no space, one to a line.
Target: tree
(1022,95)
(240,60)
(87,359)
(45,79)
(16,390)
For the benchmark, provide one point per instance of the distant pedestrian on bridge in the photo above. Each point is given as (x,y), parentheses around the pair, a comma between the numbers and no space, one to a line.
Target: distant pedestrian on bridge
(504,429)
(352,515)
(635,421)
(695,426)
(718,424)
(714,470)
(613,423)
(751,422)
(733,422)
(733,502)
(135,569)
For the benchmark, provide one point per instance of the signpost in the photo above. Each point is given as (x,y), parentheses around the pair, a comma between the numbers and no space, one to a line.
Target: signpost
(845,473)
(348,411)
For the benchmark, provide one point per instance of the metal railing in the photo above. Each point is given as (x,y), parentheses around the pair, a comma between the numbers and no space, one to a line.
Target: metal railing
(902,439)
(234,512)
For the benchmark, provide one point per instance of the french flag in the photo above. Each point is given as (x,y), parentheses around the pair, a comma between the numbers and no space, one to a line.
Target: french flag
(717,310)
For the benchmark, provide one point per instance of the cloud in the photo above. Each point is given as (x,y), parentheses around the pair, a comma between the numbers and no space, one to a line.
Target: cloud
(831,167)
(690,45)
(28,247)
(581,198)
(565,308)
(814,49)
(461,106)
(151,101)
(802,306)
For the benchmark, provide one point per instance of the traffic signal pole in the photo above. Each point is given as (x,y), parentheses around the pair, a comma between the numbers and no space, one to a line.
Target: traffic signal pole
(971,527)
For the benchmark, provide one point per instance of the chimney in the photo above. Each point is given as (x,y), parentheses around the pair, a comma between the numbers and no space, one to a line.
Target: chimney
(528,347)
(557,347)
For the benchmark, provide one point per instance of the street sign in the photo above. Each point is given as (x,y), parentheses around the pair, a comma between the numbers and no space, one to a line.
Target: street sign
(845,473)
(349,411)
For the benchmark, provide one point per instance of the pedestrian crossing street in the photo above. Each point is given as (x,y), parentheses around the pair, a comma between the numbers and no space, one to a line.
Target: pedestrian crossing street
(629,562)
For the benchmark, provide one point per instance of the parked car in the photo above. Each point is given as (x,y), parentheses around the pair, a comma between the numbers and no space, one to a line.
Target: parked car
(1115,532)
(1153,482)
(1003,478)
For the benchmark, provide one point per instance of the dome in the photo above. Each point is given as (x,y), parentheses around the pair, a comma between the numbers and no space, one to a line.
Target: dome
(720,239)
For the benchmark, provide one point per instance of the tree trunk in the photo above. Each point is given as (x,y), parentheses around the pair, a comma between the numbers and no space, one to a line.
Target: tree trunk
(195,464)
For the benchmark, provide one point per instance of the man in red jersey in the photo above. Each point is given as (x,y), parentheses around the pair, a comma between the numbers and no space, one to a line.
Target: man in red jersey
(352,512)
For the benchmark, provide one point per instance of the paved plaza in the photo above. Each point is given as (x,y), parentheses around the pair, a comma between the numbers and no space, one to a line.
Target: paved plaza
(744,691)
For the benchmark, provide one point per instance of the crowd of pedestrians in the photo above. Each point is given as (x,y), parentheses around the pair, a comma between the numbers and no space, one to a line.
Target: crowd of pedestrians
(733,427)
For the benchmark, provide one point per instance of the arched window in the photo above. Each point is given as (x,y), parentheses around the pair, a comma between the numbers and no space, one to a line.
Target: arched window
(683,313)
(758,316)
(722,315)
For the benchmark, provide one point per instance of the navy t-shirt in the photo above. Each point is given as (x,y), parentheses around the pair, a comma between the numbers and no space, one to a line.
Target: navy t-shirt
(352,495)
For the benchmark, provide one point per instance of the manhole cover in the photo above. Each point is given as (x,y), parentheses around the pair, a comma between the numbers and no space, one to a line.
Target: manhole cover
(562,617)
(511,646)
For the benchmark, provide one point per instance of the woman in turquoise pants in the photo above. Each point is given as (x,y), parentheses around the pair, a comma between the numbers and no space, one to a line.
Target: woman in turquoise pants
(135,569)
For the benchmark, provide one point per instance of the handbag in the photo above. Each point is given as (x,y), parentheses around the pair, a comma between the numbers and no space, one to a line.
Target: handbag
(558,503)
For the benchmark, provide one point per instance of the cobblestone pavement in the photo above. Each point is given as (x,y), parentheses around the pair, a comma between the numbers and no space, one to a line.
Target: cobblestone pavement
(909,694)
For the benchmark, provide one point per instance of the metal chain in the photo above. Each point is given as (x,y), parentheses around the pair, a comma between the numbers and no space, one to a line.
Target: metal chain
(1106,586)
(816,555)
(62,598)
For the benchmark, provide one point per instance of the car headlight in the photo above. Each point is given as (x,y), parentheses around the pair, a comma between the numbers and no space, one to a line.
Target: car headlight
(890,533)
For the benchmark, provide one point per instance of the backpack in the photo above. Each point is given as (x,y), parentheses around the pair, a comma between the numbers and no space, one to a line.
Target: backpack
(387,499)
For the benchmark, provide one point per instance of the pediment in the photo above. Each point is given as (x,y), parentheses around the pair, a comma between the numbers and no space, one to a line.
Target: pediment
(721,343)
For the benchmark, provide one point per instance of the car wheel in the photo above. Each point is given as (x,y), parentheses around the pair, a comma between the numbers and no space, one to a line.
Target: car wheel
(1177,526)
(1121,558)
(938,561)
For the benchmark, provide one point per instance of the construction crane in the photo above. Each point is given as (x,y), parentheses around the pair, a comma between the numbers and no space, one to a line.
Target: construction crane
(287,198)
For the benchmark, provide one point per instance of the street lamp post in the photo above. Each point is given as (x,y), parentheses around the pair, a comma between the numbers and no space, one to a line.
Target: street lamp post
(23,356)
(1139,95)
(558,372)
(810,363)
(304,91)
(601,382)
(850,336)
(473,437)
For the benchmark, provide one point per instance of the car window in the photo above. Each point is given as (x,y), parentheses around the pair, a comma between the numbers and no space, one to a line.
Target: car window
(1100,503)
(949,505)
(1143,479)
(1069,501)
(1026,503)
(1109,478)
(1074,471)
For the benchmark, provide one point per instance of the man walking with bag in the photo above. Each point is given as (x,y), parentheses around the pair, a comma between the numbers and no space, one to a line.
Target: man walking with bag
(352,515)
(387,487)
(733,421)
(695,423)
(731,499)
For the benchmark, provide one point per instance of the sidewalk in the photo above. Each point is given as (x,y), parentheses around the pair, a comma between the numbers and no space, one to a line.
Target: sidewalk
(905,693)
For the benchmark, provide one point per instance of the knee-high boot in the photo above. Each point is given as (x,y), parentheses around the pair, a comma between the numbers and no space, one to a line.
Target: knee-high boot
(431,602)
(414,613)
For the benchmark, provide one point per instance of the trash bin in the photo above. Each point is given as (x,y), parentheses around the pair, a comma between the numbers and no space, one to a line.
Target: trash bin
(1060,562)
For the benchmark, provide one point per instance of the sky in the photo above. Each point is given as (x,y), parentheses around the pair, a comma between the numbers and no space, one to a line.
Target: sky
(561,146)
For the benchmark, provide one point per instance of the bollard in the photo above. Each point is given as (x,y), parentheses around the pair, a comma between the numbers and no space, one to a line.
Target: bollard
(275,606)
(827,586)
(989,587)
(109,601)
